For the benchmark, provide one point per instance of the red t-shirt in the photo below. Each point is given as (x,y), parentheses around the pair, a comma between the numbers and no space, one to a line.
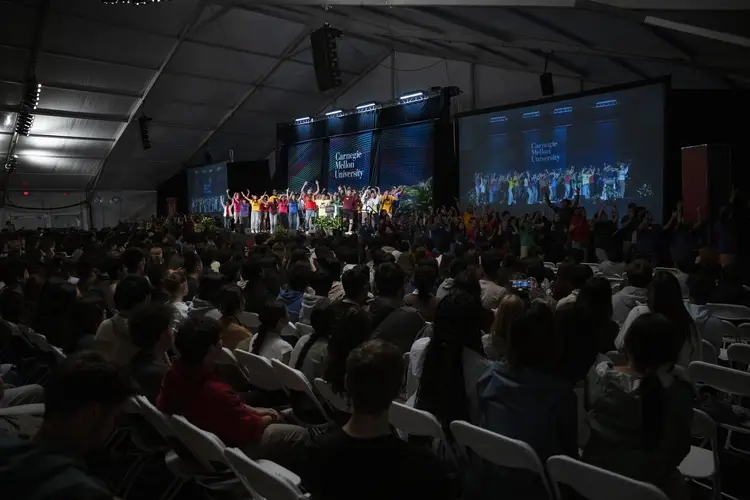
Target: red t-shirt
(580,233)
(309,203)
(350,202)
(283,206)
(264,206)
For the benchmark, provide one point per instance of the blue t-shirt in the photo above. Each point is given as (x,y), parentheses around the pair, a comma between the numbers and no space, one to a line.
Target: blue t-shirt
(244,209)
(293,206)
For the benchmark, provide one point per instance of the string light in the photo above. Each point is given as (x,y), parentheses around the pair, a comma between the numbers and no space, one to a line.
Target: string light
(132,2)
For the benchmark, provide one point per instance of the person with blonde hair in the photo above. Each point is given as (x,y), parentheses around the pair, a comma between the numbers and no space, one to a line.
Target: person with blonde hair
(511,307)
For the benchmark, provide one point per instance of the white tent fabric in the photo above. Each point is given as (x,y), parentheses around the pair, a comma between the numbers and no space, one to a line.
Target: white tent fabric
(217,75)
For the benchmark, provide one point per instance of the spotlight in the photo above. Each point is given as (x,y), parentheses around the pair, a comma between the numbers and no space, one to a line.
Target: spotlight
(11,164)
(24,122)
(143,126)
(303,119)
(334,112)
(411,96)
(29,103)
(363,107)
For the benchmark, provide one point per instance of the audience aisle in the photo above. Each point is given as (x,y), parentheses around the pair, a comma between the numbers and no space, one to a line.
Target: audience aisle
(202,326)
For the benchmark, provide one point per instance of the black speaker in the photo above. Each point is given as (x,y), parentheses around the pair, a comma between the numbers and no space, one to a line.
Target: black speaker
(326,57)
(548,86)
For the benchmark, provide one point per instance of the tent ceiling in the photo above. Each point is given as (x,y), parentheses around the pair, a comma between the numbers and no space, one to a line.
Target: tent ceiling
(216,75)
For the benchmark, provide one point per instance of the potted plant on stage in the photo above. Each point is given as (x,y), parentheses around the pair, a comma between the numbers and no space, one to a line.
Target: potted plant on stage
(329,224)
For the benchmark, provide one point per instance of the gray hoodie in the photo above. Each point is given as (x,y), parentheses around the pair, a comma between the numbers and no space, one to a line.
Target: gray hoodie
(444,288)
(709,326)
(617,442)
(309,302)
(625,300)
(200,308)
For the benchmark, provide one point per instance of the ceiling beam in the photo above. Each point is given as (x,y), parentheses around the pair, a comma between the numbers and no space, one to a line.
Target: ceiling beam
(69,87)
(192,20)
(64,137)
(69,114)
(290,48)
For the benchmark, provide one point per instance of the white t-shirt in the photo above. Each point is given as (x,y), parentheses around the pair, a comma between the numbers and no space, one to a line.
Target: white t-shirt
(371,205)
(274,347)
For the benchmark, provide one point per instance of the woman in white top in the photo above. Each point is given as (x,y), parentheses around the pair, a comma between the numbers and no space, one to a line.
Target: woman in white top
(268,342)
(444,369)
(665,297)
(311,351)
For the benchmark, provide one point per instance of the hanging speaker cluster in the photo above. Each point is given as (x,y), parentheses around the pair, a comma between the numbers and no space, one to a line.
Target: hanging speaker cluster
(326,57)
(143,127)
(29,103)
(11,164)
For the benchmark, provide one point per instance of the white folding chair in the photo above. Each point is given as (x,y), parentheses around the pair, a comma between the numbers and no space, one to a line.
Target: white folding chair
(295,380)
(729,381)
(730,312)
(739,353)
(702,463)
(290,330)
(618,358)
(667,270)
(34,409)
(43,344)
(249,319)
(743,332)
(500,450)
(594,483)
(416,422)
(303,329)
(550,265)
(259,370)
(709,352)
(333,399)
(263,478)
(227,357)
(205,446)
(594,267)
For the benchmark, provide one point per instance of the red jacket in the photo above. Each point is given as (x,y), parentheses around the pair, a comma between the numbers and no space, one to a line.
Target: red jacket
(206,402)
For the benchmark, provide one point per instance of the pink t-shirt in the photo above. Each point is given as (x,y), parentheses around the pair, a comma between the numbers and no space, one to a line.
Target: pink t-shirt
(283,206)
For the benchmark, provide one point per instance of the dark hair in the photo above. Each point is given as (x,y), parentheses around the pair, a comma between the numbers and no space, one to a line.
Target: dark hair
(650,343)
(147,322)
(457,266)
(355,280)
(531,339)
(579,275)
(273,311)
(87,315)
(230,300)
(156,273)
(195,338)
(424,280)
(12,271)
(374,371)
(252,270)
(389,279)
(52,314)
(350,326)
(192,262)
(331,265)
(320,319)
(130,292)
(595,299)
(209,286)
(467,281)
(702,286)
(131,259)
(442,384)
(321,282)
(665,298)
(173,282)
(491,260)
(639,273)
(83,379)
(298,276)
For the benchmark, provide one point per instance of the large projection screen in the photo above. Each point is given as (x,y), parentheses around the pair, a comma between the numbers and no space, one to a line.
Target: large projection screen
(608,145)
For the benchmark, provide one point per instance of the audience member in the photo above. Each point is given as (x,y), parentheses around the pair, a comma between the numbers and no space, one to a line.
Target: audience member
(88,313)
(298,279)
(639,274)
(191,389)
(665,298)
(52,313)
(317,295)
(83,399)
(641,413)
(268,342)
(701,287)
(176,286)
(392,320)
(310,352)
(207,302)
(356,283)
(12,301)
(492,292)
(151,331)
(256,293)
(595,305)
(337,464)
(231,304)
(350,327)
(578,276)
(112,337)
(495,343)
(423,299)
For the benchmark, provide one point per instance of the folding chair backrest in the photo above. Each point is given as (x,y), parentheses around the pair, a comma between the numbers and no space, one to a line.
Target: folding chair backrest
(258,480)
(159,421)
(618,358)
(719,377)
(739,353)
(249,319)
(667,270)
(594,267)
(303,329)
(206,447)
(415,422)
(704,426)
(743,331)
(500,450)
(333,399)
(295,380)
(709,353)
(290,330)
(732,312)
(41,342)
(259,371)
(594,483)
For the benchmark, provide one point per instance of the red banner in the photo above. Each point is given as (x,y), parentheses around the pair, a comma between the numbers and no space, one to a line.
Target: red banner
(171,206)
(694,182)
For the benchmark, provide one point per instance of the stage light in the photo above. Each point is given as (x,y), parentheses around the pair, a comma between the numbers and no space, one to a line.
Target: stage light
(11,164)
(498,119)
(411,96)
(132,2)
(531,114)
(606,104)
(25,193)
(560,111)
(365,106)
(334,112)
(303,119)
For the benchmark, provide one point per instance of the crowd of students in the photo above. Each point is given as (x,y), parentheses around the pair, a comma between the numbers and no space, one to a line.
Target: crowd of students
(493,337)
(243,211)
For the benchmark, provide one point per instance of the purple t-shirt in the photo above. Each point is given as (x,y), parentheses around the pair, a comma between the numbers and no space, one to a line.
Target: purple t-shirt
(244,209)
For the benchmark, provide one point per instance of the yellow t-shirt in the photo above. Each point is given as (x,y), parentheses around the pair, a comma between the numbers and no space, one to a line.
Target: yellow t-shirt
(467,218)
(271,199)
(386,203)
(255,205)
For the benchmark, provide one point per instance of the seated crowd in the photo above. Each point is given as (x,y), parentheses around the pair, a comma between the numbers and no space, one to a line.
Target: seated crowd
(496,340)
